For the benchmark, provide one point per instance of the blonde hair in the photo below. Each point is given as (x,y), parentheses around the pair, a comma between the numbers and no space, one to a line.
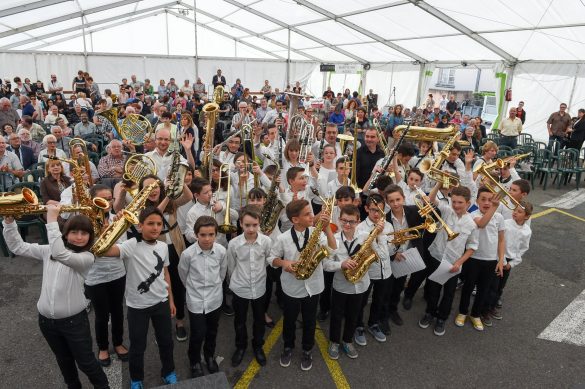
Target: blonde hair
(489,145)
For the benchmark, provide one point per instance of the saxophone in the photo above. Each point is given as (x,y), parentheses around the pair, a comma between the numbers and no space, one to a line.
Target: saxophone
(130,216)
(273,206)
(364,258)
(176,175)
(313,254)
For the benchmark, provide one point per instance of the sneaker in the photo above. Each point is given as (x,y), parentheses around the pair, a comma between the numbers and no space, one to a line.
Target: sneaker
(439,327)
(377,333)
(360,336)
(474,291)
(306,361)
(477,324)
(349,350)
(496,313)
(425,321)
(499,304)
(171,378)
(487,320)
(285,357)
(136,385)
(460,320)
(333,350)
(396,319)
(181,333)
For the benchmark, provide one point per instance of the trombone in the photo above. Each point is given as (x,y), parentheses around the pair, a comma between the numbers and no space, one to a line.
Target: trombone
(226,227)
(353,181)
(494,186)
(247,133)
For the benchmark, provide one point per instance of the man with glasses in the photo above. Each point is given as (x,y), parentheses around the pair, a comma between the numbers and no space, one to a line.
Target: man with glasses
(24,154)
(242,117)
(558,124)
(28,108)
(26,140)
(36,131)
(272,115)
(9,163)
(55,87)
(162,158)
(112,165)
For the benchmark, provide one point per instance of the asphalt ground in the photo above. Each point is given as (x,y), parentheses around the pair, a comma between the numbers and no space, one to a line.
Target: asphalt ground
(508,355)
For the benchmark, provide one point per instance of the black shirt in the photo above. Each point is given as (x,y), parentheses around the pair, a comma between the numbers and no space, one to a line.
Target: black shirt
(451,106)
(365,162)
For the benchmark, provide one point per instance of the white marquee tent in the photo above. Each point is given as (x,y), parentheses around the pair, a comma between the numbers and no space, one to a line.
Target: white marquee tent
(534,47)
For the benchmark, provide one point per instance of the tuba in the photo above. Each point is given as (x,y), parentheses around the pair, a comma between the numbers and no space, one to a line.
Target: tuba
(313,253)
(130,216)
(273,206)
(420,134)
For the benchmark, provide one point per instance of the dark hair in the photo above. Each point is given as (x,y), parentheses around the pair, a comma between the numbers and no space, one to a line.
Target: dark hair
(456,146)
(406,149)
(256,193)
(146,212)
(78,223)
(374,198)
(292,144)
(160,184)
(292,173)
(524,185)
(198,184)
(482,189)
(166,115)
(270,169)
(96,188)
(528,208)
(204,221)
(393,189)
(417,172)
(350,210)
(250,210)
(462,191)
(383,182)
(294,208)
(340,161)
(345,192)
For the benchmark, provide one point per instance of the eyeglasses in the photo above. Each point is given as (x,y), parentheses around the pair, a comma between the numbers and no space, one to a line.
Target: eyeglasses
(350,222)
(51,142)
(163,139)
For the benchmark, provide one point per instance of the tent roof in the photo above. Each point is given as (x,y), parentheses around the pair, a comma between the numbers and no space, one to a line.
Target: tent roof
(375,31)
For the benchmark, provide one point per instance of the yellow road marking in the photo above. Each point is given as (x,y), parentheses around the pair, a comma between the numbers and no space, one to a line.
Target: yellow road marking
(254,367)
(551,210)
(333,366)
(570,215)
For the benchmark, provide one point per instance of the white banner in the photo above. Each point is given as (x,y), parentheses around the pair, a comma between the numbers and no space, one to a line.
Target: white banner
(348,68)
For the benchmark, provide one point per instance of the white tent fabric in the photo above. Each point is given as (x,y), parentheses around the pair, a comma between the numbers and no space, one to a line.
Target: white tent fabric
(539,43)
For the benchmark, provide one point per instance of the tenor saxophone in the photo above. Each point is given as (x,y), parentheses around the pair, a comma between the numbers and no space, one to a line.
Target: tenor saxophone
(176,175)
(273,206)
(364,258)
(130,216)
(313,253)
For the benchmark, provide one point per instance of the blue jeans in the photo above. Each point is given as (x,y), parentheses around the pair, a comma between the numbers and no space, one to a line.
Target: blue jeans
(510,141)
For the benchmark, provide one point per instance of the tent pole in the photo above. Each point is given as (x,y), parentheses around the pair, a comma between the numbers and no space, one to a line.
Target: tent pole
(573,87)
(84,44)
(288,60)
(167,30)
(421,75)
(195,33)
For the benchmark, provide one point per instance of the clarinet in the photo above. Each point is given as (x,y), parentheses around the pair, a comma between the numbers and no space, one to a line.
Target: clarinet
(321,145)
(388,159)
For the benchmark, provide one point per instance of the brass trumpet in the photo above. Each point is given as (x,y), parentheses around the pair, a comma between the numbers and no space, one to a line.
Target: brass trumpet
(412,233)
(493,185)
(27,203)
(433,169)
(425,209)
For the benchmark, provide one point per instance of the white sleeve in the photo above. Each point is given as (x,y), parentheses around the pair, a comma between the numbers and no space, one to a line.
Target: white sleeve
(190,225)
(17,246)
(230,258)
(183,267)
(277,251)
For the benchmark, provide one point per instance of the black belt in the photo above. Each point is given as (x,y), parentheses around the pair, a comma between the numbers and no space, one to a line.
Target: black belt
(509,136)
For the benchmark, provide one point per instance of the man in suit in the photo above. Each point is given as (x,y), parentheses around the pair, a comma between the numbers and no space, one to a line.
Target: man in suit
(218,79)
(24,154)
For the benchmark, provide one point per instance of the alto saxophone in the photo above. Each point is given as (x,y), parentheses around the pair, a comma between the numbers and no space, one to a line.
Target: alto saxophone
(130,216)
(273,206)
(313,253)
(364,258)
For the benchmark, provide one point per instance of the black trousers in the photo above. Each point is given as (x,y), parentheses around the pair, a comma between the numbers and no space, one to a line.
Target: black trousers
(273,276)
(417,278)
(240,306)
(70,341)
(176,284)
(443,309)
(393,295)
(345,307)
(203,332)
(478,272)
(108,302)
(307,306)
(325,298)
(496,289)
(379,290)
(138,322)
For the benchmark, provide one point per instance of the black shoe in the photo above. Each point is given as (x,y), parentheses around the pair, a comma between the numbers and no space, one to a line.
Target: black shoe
(105,362)
(396,319)
(269,324)
(211,365)
(124,357)
(385,327)
(181,333)
(197,370)
(407,303)
(323,315)
(260,356)
(227,310)
(280,304)
(238,356)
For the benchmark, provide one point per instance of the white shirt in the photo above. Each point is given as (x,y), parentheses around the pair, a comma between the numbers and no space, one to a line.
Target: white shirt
(333,185)
(340,283)
(182,212)
(507,214)
(409,194)
(51,119)
(246,264)
(198,210)
(379,270)
(163,163)
(488,237)
(62,288)
(285,248)
(468,236)
(145,275)
(202,273)
(400,225)
(517,241)
(286,197)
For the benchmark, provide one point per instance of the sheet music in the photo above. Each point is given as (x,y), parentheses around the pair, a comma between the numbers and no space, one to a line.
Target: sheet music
(443,273)
(412,263)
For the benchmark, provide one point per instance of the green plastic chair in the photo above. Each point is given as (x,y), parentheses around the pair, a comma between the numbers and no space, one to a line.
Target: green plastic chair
(546,167)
